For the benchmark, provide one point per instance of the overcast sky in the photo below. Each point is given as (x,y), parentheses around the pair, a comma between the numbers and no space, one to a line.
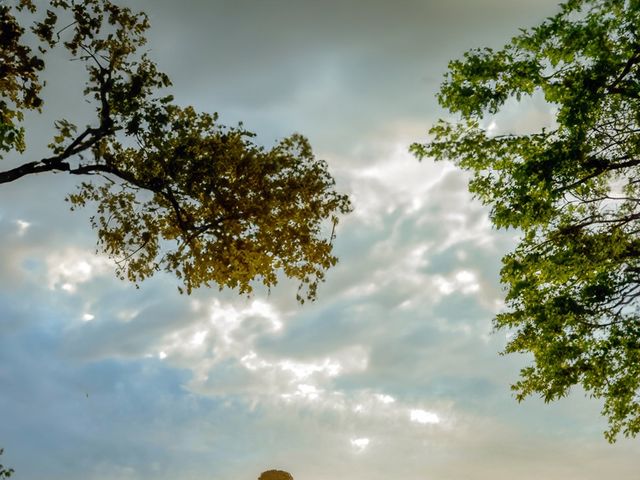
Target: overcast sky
(394,372)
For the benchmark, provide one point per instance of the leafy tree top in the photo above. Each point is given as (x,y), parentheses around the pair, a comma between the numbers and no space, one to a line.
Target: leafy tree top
(174,190)
(275,475)
(573,190)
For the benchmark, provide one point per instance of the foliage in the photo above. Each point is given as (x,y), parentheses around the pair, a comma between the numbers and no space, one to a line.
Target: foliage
(275,475)
(4,471)
(572,189)
(174,189)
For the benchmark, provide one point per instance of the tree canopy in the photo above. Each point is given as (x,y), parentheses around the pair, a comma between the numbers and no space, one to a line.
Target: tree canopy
(275,475)
(573,191)
(5,472)
(174,190)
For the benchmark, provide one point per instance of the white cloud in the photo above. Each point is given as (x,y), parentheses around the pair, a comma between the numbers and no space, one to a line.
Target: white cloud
(22,226)
(360,444)
(463,281)
(251,362)
(307,391)
(385,398)
(301,370)
(71,267)
(393,182)
(422,416)
(199,338)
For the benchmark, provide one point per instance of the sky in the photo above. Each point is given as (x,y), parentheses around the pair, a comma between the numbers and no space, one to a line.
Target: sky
(394,372)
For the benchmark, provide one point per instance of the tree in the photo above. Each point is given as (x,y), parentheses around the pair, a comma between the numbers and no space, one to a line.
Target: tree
(174,189)
(4,471)
(275,475)
(573,191)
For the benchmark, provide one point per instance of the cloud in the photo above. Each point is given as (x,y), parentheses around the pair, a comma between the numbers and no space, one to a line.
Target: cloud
(67,269)
(360,444)
(422,416)
(397,351)
(393,372)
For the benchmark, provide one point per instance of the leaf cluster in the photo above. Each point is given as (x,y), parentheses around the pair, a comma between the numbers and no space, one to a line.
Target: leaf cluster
(174,190)
(573,281)
(275,475)
(5,472)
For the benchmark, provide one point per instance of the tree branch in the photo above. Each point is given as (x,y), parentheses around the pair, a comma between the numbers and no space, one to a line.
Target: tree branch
(635,58)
